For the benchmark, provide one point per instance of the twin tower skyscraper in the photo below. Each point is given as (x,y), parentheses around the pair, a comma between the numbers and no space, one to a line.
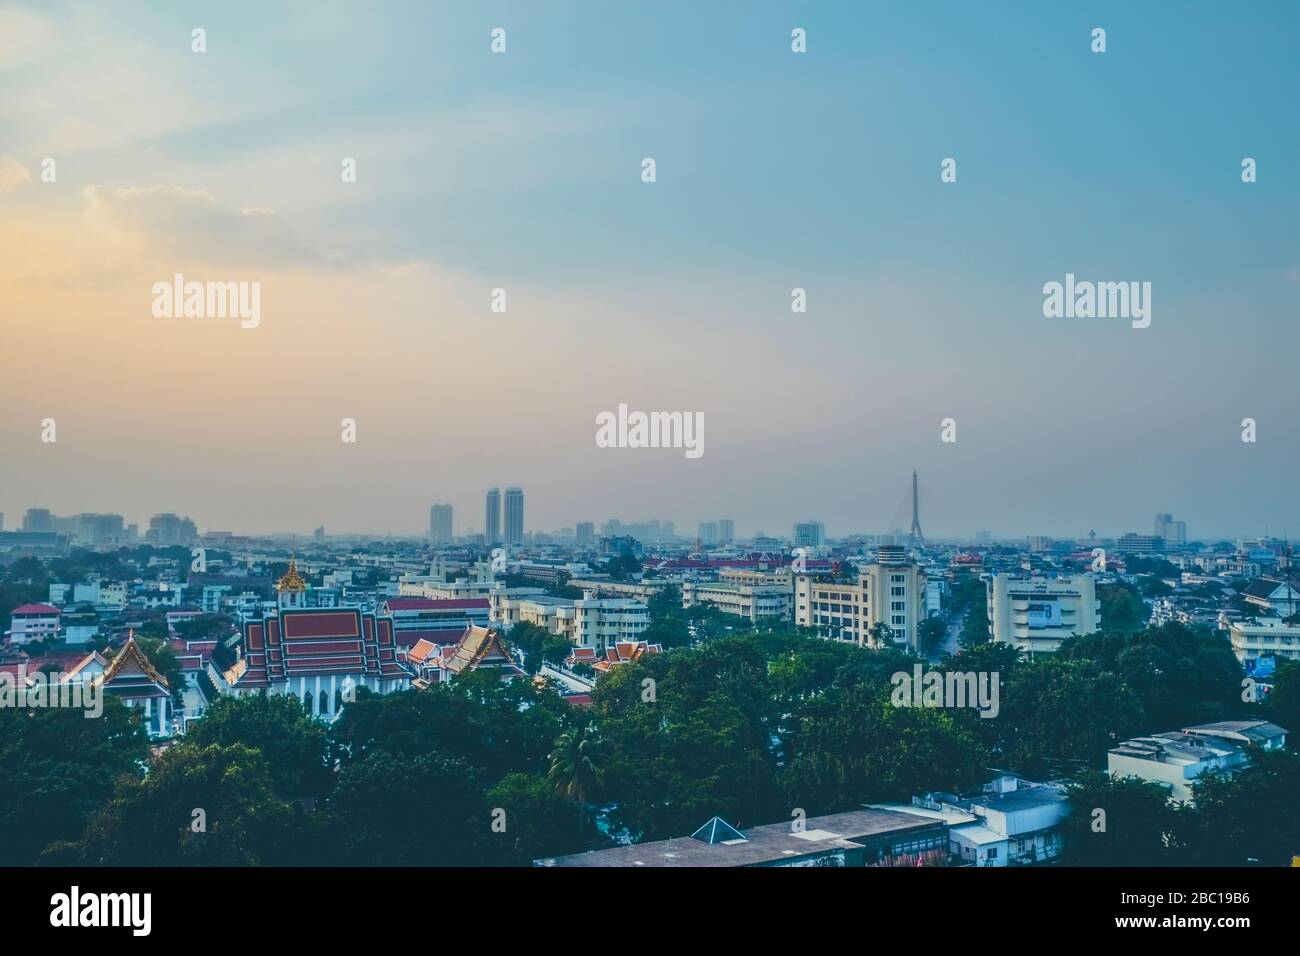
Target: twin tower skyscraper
(514,517)
(440,527)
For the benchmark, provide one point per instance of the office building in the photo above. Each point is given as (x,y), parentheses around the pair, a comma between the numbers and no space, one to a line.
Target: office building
(585,534)
(1173,533)
(1037,613)
(440,527)
(514,516)
(808,534)
(492,525)
(889,591)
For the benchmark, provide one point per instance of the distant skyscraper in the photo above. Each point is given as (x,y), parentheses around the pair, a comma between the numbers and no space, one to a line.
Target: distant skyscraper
(916,514)
(1173,532)
(726,530)
(708,532)
(809,534)
(586,533)
(492,528)
(440,527)
(514,516)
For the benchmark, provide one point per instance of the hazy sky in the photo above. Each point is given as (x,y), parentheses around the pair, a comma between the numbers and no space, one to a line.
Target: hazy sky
(775,170)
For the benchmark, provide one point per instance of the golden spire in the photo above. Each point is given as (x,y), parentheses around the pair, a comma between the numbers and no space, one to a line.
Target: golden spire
(292,580)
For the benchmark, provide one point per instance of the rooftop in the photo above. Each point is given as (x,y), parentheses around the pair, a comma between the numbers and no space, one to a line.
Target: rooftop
(771,843)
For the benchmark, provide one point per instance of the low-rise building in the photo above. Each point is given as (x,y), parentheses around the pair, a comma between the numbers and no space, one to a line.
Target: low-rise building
(1177,759)
(33,622)
(756,603)
(1253,638)
(856,838)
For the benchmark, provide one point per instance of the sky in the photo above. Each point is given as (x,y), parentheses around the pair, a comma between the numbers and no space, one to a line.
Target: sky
(775,170)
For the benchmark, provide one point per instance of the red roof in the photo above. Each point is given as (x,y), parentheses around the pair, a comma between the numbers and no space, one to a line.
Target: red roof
(432,604)
(36,609)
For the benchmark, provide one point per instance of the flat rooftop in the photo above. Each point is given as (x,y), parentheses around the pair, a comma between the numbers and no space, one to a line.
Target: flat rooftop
(770,843)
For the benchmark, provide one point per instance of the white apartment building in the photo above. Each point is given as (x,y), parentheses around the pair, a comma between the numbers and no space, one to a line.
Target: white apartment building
(1036,613)
(756,603)
(1264,637)
(592,622)
(890,591)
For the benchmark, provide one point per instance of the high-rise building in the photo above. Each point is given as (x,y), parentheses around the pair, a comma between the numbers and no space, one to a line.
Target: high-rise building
(492,527)
(38,519)
(1173,532)
(169,529)
(440,526)
(726,530)
(586,533)
(514,516)
(809,534)
(708,533)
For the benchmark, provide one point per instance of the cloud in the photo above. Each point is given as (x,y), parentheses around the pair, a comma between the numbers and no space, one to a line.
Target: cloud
(12,174)
(190,224)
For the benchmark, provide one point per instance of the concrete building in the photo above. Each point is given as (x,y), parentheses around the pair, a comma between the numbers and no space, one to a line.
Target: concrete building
(1036,613)
(708,533)
(1177,759)
(591,622)
(33,622)
(514,516)
(492,519)
(808,534)
(1173,533)
(1013,822)
(585,534)
(890,591)
(758,604)
(856,838)
(440,524)
(726,530)
(1254,638)
(1277,597)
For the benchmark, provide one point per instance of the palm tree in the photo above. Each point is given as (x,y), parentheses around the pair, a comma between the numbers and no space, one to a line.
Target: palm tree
(577,767)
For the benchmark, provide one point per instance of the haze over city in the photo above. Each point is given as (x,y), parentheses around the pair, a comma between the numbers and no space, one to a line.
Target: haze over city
(523,173)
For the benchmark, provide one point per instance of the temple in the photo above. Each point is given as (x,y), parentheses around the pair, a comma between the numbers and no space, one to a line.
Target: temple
(318,654)
(132,679)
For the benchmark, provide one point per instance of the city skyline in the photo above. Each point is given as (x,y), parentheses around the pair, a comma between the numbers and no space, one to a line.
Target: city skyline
(924,299)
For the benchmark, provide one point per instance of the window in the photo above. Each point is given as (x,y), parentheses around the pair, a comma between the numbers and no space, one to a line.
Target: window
(993,853)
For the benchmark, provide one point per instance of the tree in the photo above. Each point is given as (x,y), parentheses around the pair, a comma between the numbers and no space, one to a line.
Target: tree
(538,820)
(1122,611)
(293,743)
(1063,712)
(1283,704)
(1116,822)
(198,806)
(57,768)
(931,633)
(390,810)
(1247,817)
(578,767)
